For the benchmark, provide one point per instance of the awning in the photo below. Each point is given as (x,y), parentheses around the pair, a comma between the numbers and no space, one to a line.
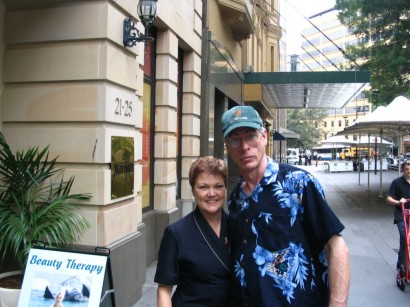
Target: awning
(329,89)
(278,137)
(390,120)
(288,134)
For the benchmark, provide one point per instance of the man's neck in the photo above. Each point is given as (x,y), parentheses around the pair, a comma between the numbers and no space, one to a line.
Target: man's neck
(251,179)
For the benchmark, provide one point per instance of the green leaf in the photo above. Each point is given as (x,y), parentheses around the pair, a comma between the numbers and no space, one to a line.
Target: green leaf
(35,205)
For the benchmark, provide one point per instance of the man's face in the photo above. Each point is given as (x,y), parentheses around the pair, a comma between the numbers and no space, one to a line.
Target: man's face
(246,147)
(406,170)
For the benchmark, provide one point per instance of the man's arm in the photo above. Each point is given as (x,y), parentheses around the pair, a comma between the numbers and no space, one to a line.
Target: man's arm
(339,270)
(395,202)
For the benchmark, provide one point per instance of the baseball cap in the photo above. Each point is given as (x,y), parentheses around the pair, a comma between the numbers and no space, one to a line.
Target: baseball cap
(240,116)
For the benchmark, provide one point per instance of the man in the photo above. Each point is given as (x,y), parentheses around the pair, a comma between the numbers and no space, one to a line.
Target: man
(285,240)
(398,192)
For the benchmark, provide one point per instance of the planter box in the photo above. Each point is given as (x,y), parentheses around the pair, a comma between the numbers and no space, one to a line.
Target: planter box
(9,297)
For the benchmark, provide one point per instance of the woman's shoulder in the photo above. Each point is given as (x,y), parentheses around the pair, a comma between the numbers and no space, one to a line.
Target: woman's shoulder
(182,223)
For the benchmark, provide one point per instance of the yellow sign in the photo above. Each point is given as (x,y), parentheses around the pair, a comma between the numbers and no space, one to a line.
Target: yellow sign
(122,166)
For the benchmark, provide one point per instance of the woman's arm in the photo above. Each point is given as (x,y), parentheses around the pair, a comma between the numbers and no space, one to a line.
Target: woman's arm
(164,296)
(339,270)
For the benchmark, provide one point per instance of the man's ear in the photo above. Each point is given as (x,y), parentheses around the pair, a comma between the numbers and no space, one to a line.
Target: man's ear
(265,136)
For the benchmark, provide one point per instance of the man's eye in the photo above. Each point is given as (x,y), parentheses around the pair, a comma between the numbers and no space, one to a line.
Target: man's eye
(234,140)
(251,137)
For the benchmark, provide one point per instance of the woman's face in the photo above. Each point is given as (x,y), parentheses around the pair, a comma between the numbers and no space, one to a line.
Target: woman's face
(209,191)
(59,298)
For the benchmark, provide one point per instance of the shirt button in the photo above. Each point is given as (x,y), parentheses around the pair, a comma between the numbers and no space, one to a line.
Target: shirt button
(246,221)
(245,241)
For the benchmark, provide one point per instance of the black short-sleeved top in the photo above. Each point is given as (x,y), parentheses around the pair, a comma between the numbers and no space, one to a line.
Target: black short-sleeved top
(277,235)
(186,260)
(399,189)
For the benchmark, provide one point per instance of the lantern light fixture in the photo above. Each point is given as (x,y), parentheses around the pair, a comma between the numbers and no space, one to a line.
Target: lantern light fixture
(147,12)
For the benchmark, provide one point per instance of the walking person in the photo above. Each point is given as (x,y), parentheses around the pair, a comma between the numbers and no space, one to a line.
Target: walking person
(398,192)
(194,251)
(285,240)
(315,156)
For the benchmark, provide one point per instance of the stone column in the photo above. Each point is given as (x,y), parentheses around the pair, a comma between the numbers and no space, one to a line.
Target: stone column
(69,83)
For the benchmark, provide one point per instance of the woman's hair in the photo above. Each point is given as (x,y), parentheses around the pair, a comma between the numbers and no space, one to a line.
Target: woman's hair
(209,165)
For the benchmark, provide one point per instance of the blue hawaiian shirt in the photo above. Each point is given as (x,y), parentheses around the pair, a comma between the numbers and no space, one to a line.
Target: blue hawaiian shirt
(277,235)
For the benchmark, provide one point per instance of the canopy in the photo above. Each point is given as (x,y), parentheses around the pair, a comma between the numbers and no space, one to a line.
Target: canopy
(393,119)
(338,140)
(341,140)
(302,89)
(278,137)
(288,134)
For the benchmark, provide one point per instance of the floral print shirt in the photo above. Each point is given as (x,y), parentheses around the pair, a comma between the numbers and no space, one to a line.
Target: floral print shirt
(277,235)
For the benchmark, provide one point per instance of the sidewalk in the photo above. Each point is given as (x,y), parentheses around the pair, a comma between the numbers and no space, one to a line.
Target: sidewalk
(370,234)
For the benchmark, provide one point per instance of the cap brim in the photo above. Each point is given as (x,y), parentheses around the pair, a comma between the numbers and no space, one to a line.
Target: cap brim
(241,125)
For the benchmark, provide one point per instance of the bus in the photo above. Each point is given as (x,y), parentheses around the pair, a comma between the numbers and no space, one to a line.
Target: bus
(328,152)
(356,152)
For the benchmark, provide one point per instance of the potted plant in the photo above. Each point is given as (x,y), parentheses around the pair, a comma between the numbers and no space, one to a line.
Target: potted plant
(35,203)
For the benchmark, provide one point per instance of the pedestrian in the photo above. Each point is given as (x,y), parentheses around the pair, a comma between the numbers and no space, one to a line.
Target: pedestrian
(285,240)
(194,251)
(398,192)
(315,156)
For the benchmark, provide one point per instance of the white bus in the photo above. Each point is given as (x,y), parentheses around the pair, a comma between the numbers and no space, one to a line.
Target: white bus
(328,152)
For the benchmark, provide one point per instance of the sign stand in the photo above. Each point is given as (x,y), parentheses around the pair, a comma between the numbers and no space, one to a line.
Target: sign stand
(79,276)
(108,298)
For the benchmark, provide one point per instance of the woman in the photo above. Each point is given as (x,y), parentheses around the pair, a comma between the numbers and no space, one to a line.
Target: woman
(194,251)
(58,302)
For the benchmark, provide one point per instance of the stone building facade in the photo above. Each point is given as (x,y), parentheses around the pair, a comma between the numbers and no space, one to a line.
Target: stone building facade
(67,81)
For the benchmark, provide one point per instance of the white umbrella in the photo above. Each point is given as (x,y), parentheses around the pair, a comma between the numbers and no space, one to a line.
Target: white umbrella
(338,140)
(341,140)
(393,119)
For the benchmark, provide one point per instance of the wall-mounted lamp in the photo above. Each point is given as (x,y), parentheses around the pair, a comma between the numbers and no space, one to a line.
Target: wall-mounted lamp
(305,102)
(306,93)
(147,11)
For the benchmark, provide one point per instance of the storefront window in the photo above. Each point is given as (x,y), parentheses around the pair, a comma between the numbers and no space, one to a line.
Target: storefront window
(146,147)
(148,103)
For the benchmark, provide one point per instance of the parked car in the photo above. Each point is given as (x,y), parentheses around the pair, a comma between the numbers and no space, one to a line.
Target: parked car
(293,160)
(393,163)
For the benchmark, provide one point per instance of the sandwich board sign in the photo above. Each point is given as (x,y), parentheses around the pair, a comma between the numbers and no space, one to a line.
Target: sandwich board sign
(52,275)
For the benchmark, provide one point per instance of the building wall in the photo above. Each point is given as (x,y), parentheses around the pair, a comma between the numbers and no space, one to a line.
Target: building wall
(220,26)
(263,53)
(239,35)
(2,10)
(65,69)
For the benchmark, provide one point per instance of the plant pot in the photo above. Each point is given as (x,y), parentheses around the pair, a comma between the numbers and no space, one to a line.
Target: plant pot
(9,297)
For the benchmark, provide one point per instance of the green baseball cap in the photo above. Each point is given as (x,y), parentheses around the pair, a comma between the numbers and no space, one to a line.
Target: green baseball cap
(240,116)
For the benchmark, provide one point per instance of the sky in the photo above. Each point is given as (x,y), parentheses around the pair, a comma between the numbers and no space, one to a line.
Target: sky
(294,13)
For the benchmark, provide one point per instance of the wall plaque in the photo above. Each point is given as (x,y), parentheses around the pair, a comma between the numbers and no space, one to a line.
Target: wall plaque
(122,166)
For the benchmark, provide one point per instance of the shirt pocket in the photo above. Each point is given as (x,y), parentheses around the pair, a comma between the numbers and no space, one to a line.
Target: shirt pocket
(274,231)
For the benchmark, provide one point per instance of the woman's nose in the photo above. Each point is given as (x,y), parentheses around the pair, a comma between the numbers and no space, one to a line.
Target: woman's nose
(211,191)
